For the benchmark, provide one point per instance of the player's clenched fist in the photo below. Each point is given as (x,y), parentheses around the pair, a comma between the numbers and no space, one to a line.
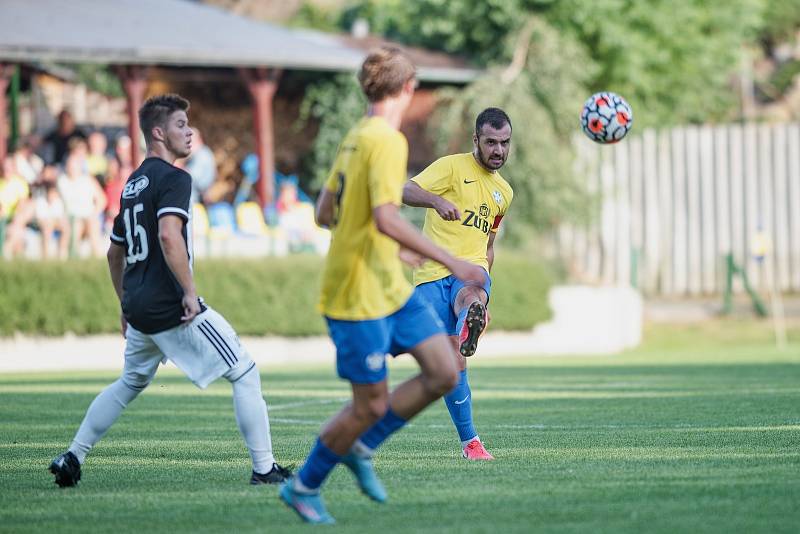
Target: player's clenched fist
(447,210)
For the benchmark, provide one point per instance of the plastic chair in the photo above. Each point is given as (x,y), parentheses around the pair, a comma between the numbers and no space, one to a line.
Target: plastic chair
(222,219)
(250,220)
(200,223)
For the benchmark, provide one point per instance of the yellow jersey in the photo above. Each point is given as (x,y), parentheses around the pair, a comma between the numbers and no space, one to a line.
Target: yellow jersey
(482,197)
(363,277)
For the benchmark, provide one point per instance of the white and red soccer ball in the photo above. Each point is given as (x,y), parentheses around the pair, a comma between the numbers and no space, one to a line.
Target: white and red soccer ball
(606,118)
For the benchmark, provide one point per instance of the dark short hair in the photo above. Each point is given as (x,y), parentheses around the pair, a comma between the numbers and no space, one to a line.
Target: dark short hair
(384,72)
(156,111)
(494,117)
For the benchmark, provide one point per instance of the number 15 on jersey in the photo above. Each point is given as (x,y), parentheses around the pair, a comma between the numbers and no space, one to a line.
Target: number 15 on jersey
(135,234)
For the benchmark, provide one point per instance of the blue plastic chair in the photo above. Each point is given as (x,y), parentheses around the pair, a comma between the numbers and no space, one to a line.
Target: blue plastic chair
(222,217)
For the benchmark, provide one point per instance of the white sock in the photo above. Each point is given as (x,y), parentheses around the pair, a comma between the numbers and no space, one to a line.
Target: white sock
(465,443)
(104,410)
(299,487)
(253,420)
(361,450)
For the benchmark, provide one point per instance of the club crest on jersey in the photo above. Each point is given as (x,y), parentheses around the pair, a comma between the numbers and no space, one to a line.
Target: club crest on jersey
(483,211)
(375,361)
(497,197)
(132,189)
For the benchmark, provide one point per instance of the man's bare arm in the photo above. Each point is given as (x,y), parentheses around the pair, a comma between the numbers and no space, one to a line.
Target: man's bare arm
(173,245)
(490,249)
(323,213)
(390,223)
(414,195)
(116,267)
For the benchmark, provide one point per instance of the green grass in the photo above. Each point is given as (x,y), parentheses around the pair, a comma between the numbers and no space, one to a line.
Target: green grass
(697,431)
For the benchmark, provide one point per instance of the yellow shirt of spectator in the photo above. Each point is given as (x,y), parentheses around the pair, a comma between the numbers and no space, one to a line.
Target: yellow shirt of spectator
(363,277)
(13,190)
(481,196)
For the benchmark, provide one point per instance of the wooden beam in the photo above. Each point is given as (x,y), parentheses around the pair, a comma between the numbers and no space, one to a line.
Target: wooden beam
(262,83)
(6,72)
(134,82)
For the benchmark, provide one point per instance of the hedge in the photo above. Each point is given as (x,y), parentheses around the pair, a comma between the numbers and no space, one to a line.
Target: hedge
(259,297)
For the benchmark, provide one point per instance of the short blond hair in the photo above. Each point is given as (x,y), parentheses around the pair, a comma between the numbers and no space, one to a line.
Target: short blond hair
(384,72)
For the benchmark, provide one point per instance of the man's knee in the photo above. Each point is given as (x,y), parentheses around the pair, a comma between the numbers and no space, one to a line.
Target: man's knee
(443,380)
(372,409)
(470,294)
(136,381)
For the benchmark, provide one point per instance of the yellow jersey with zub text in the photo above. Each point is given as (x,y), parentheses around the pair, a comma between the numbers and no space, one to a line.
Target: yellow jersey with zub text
(363,277)
(482,197)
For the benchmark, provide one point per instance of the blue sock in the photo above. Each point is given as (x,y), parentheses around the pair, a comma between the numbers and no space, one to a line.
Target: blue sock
(380,431)
(459,404)
(462,316)
(319,463)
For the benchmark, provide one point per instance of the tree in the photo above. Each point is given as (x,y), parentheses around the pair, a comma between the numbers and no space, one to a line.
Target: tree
(541,89)
(336,104)
(673,60)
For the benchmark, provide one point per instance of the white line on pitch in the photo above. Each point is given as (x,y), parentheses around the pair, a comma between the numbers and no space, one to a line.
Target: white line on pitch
(300,404)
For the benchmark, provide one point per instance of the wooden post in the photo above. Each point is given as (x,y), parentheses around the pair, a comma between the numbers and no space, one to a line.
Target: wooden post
(134,82)
(262,83)
(6,72)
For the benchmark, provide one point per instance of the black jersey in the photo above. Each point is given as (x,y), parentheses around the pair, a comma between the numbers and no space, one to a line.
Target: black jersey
(151,299)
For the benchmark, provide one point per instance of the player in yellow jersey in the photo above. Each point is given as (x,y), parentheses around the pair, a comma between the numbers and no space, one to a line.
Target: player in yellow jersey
(466,199)
(370,308)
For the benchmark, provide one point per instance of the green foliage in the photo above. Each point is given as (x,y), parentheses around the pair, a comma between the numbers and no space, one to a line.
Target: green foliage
(259,297)
(784,76)
(542,98)
(316,17)
(671,59)
(51,298)
(336,104)
(781,20)
(99,78)
(475,29)
(266,296)
(520,290)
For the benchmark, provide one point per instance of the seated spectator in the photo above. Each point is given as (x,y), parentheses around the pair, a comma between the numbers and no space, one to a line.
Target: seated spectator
(14,191)
(122,152)
(45,212)
(29,164)
(202,165)
(295,218)
(97,160)
(56,144)
(113,187)
(13,187)
(84,201)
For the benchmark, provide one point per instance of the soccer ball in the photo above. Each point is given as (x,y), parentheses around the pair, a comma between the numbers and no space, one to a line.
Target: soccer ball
(606,118)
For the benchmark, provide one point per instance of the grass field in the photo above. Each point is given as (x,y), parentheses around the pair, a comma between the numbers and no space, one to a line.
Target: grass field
(697,431)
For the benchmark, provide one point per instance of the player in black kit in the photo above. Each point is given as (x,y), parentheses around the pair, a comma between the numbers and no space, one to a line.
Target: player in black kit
(150,260)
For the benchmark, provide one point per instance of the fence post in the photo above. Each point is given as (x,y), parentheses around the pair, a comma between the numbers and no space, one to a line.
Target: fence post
(732,269)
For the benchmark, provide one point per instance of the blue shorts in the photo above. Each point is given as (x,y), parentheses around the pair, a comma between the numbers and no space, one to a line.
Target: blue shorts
(442,293)
(362,346)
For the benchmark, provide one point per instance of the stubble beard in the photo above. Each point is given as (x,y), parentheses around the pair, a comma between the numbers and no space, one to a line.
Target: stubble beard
(488,163)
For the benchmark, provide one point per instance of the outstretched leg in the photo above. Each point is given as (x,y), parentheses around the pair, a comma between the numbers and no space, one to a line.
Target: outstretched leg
(253,422)
(142,357)
(470,308)
(438,376)
(102,413)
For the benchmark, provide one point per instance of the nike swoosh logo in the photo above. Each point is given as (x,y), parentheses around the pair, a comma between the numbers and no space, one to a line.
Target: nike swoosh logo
(462,401)
(472,182)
